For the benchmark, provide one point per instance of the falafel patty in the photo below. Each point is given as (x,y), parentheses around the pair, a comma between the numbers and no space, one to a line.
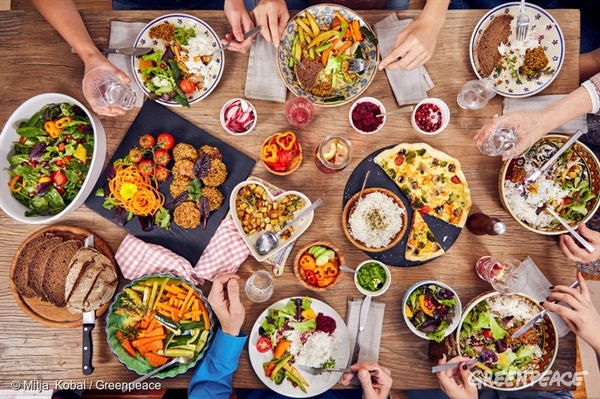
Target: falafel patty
(217,174)
(187,215)
(183,168)
(184,151)
(214,197)
(179,185)
(212,152)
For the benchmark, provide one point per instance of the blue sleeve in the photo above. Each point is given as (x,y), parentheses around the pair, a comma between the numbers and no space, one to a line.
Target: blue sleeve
(213,376)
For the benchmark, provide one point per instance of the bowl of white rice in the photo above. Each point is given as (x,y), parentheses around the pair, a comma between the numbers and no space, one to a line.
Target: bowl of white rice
(376,222)
(570,186)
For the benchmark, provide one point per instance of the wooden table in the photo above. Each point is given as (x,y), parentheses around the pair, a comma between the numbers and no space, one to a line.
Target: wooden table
(36,60)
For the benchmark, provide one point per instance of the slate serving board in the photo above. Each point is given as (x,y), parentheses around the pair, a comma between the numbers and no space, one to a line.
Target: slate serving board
(445,233)
(154,118)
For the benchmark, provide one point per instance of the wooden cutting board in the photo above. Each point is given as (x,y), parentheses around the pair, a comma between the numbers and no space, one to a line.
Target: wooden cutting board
(45,312)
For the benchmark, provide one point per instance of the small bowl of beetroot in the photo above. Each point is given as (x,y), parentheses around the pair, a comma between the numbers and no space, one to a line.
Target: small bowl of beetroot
(363,115)
(238,116)
(430,116)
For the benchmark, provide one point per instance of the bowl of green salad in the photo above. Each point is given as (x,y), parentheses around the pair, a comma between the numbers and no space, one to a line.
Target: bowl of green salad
(431,309)
(372,278)
(52,154)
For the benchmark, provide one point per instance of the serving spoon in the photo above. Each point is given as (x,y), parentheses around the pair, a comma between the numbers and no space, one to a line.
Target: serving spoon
(348,269)
(269,240)
(181,359)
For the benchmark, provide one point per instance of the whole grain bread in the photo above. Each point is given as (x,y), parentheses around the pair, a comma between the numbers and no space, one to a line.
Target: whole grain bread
(30,252)
(486,50)
(447,347)
(307,76)
(35,275)
(56,271)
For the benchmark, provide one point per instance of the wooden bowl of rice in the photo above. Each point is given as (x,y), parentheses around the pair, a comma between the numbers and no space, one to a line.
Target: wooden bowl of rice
(380,236)
(301,273)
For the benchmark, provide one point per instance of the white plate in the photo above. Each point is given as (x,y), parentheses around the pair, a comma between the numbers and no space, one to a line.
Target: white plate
(299,228)
(318,383)
(545,29)
(202,29)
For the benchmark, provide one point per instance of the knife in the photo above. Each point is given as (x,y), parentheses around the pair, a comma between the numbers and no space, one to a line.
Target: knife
(541,314)
(362,323)
(89,322)
(528,181)
(125,50)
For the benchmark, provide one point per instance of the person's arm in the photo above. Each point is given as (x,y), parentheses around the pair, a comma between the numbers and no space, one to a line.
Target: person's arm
(273,16)
(240,22)
(213,376)
(64,17)
(375,380)
(415,44)
(455,382)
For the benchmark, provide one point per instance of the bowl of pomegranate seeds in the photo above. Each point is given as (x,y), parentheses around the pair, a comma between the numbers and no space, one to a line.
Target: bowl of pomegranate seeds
(238,116)
(363,115)
(430,116)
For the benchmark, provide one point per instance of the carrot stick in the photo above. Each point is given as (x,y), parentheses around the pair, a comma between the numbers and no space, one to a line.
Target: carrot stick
(151,346)
(142,341)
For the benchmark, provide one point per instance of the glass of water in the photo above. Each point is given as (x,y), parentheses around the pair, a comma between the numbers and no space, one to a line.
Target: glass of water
(475,94)
(506,275)
(510,138)
(259,286)
(103,88)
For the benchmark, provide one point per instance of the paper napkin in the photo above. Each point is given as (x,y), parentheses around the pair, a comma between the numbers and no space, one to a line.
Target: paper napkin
(262,80)
(409,87)
(538,287)
(371,340)
(123,34)
(538,103)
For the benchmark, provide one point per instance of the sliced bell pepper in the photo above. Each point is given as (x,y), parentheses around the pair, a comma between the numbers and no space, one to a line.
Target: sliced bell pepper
(285,140)
(52,129)
(322,37)
(426,305)
(319,272)
(269,153)
(324,281)
(80,153)
(14,182)
(307,262)
(62,122)
(311,277)
(330,270)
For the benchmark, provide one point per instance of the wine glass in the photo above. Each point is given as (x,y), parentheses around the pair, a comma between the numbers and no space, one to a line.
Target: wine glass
(506,275)
(299,112)
(510,138)
(103,88)
(476,93)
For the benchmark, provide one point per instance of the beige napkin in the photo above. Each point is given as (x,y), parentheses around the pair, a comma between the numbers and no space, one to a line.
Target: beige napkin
(538,287)
(369,346)
(538,103)
(263,81)
(409,87)
(123,34)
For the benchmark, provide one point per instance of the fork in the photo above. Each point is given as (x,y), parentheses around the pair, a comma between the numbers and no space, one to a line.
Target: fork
(522,23)
(320,370)
(358,65)
(583,241)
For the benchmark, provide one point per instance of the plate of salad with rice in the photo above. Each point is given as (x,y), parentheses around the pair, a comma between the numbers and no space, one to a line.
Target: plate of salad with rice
(174,73)
(505,363)
(570,186)
(293,334)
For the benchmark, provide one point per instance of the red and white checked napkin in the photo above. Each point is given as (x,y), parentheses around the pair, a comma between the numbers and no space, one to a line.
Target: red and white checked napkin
(225,252)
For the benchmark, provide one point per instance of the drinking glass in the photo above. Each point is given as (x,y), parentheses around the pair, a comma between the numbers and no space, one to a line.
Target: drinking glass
(299,112)
(333,154)
(103,88)
(259,286)
(506,275)
(475,94)
(510,138)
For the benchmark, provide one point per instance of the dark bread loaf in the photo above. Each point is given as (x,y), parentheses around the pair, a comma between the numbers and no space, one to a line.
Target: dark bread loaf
(307,76)
(30,253)
(447,347)
(36,268)
(486,50)
(56,271)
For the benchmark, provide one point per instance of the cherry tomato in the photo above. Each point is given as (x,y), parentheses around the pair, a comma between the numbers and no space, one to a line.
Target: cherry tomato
(161,173)
(488,333)
(165,140)
(61,147)
(59,178)
(136,155)
(186,86)
(162,157)
(147,141)
(146,167)
(399,160)
(263,345)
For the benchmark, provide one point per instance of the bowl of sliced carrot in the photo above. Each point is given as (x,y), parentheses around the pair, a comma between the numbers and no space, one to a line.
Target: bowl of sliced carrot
(157,318)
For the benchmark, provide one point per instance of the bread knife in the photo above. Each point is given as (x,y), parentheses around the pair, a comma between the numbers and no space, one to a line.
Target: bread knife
(89,322)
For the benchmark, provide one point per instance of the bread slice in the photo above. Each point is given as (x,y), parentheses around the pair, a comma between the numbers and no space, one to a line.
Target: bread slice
(20,273)
(56,271)
(87,278)
(102,289)
(35,275)
(486,50)
(80,261)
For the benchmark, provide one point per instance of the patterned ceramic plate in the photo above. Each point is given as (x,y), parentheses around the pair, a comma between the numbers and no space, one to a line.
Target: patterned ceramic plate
(212,72)
(323,14)
(543,28)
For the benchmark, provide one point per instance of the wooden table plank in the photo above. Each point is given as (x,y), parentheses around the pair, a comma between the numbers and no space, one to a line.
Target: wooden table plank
(36,60)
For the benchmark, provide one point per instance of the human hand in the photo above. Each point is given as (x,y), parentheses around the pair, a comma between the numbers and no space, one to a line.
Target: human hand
(583,318)
(240,22)
(273,16)
(413,47)
(571,250)
(455,382)
(224,298)
(376,380)
(97,60)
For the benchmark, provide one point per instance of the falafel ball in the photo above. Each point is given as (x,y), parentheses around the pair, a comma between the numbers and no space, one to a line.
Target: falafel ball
(212,152)
(183,168)
(217,174)
(187,215)
(179,185)
(184,151)
(214,197)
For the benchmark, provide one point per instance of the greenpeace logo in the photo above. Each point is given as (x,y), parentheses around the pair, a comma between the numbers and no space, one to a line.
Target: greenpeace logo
(547,380)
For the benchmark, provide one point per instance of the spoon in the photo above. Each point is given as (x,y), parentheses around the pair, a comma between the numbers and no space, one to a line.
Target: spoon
(361,191)
(402,110)
(182,360)
(268,241)
(206,58)
(347,269)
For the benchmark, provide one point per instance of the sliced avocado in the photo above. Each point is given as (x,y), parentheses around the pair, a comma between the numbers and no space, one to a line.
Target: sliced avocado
(321,260)
(330,254)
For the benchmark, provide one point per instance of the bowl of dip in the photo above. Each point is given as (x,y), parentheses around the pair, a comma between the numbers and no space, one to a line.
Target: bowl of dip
(372,278)
(363,115)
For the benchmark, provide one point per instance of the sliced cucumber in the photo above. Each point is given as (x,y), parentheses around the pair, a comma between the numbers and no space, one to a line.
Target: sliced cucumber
(321,260)
(330,254)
